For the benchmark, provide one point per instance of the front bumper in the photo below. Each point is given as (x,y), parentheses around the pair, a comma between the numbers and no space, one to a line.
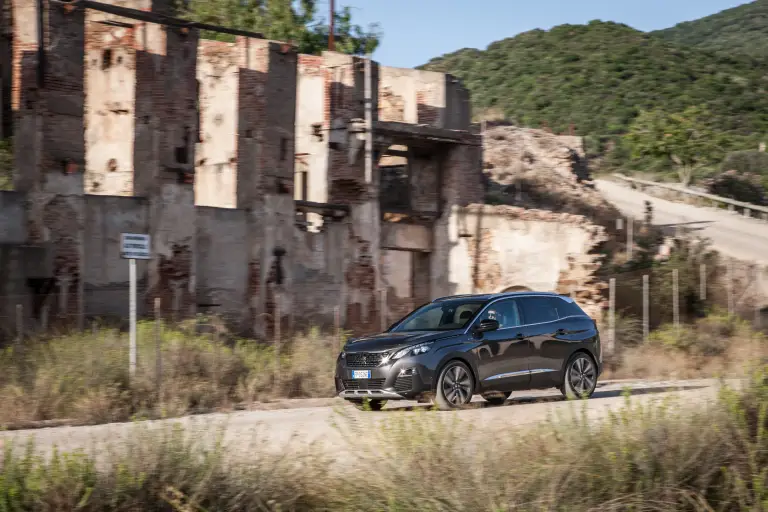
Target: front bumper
(406,378)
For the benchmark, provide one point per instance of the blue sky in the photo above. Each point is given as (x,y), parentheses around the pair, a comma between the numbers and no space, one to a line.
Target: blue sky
(417,30)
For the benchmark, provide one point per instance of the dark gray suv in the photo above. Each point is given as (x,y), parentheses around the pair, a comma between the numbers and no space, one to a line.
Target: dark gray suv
(455,347)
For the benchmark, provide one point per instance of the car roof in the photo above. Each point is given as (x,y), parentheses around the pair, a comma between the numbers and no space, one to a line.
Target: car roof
(491,296)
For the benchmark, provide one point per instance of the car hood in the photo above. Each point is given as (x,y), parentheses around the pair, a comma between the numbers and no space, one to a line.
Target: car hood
(393,340)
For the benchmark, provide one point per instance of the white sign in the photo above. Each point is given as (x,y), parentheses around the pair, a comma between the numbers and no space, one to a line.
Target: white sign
(135,246)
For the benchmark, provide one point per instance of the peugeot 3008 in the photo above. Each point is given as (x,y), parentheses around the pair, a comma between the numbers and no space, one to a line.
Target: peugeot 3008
(455,347)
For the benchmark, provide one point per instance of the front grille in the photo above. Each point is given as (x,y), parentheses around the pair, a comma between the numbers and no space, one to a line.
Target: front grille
(403,384)
(364,360)
(355,384)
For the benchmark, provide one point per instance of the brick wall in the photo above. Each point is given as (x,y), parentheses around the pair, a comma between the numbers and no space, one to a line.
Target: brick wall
(462,176)
(168,92)
(63,156)
(278,143)
(345,100)
(252,121)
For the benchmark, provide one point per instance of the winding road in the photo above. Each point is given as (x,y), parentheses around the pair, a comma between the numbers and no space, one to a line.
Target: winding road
(731,234)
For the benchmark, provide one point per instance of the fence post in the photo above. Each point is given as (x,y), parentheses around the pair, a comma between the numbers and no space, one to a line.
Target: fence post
(703,282)
(731,305)
(217,354)
(383,309)
(611,317)
(337,327)
(675,300)
(630,237)
(44,316)
(755,283)
(277,343)
(158,349)
(19,323)
(646,308)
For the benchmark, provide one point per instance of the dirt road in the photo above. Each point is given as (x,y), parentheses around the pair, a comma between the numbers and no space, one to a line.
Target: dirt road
(248,432)
(731,234)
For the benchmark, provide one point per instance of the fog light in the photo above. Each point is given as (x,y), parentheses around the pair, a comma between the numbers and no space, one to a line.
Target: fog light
(407,371)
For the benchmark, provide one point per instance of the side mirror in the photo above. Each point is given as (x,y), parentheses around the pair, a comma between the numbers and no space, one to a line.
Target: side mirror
(487,325)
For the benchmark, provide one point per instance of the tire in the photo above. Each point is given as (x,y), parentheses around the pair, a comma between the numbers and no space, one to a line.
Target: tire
(455,386)
(580,378)
(497,398)
(368,405)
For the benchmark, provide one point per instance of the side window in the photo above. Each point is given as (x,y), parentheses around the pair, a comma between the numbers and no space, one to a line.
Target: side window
(464,313)
(506,312)
(538,310)
(565,308)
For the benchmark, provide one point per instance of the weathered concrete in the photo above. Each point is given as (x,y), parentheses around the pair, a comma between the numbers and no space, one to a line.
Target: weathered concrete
(246,164)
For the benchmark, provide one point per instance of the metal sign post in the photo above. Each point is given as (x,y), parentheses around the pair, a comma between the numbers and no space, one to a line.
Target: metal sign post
(133,247)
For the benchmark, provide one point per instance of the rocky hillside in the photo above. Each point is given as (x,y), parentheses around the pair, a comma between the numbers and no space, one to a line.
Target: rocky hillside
(537,169)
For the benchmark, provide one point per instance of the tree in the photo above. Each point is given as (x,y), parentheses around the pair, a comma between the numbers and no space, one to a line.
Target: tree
(283,20)
(688,139)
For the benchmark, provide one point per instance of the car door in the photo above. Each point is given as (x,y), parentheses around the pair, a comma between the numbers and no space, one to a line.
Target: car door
(503,355)
(545,332)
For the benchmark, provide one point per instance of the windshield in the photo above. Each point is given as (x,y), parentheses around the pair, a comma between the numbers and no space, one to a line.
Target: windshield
(440,316)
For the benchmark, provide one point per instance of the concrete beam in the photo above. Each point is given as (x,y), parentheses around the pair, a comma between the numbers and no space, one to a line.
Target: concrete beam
(406,237)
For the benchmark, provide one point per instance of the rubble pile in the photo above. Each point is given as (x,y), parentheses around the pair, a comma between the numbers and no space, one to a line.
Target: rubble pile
(537,169)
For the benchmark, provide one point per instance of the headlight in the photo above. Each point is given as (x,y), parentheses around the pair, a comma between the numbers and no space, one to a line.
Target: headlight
(342,355)
(413,351)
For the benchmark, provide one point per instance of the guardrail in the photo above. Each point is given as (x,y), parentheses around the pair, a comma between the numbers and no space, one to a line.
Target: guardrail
(747,208)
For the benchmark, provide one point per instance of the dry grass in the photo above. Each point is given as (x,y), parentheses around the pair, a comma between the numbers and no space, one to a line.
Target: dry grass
(643,458)
(718,345)
(85,376)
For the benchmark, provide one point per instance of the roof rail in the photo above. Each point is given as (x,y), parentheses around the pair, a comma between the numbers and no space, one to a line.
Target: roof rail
(455,297)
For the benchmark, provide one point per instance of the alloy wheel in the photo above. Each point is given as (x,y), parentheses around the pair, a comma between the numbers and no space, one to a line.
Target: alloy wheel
(457,385)
(582,376)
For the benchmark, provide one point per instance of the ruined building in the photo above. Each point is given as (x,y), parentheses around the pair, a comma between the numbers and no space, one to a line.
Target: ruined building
(246,163)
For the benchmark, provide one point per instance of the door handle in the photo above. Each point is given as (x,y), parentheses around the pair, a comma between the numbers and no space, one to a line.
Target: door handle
(519,336)
(560,332)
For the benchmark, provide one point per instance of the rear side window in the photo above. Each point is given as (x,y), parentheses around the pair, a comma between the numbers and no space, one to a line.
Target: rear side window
(538,310)
(565,308)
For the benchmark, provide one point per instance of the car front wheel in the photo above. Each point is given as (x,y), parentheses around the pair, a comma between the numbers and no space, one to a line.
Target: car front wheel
(580,377)
(454,386)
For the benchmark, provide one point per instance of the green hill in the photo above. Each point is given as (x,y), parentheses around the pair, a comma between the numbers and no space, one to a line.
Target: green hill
(743,29)
(600,75)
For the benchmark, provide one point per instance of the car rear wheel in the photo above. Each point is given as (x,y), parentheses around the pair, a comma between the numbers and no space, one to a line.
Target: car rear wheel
(580,377)
(496,398)
(454,386)
(368,405)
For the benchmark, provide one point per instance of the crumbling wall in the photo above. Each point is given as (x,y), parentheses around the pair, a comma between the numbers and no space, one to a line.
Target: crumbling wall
(110,88)
(173,93)
(311,135)
(222,275)
(397,95)
(216,165)
(430,98)
(495,248)
(425,181)
(345,99)
(12,218)
(105,273)
(319,266)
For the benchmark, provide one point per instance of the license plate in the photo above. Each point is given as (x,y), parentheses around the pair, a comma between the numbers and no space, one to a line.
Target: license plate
(361,374)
